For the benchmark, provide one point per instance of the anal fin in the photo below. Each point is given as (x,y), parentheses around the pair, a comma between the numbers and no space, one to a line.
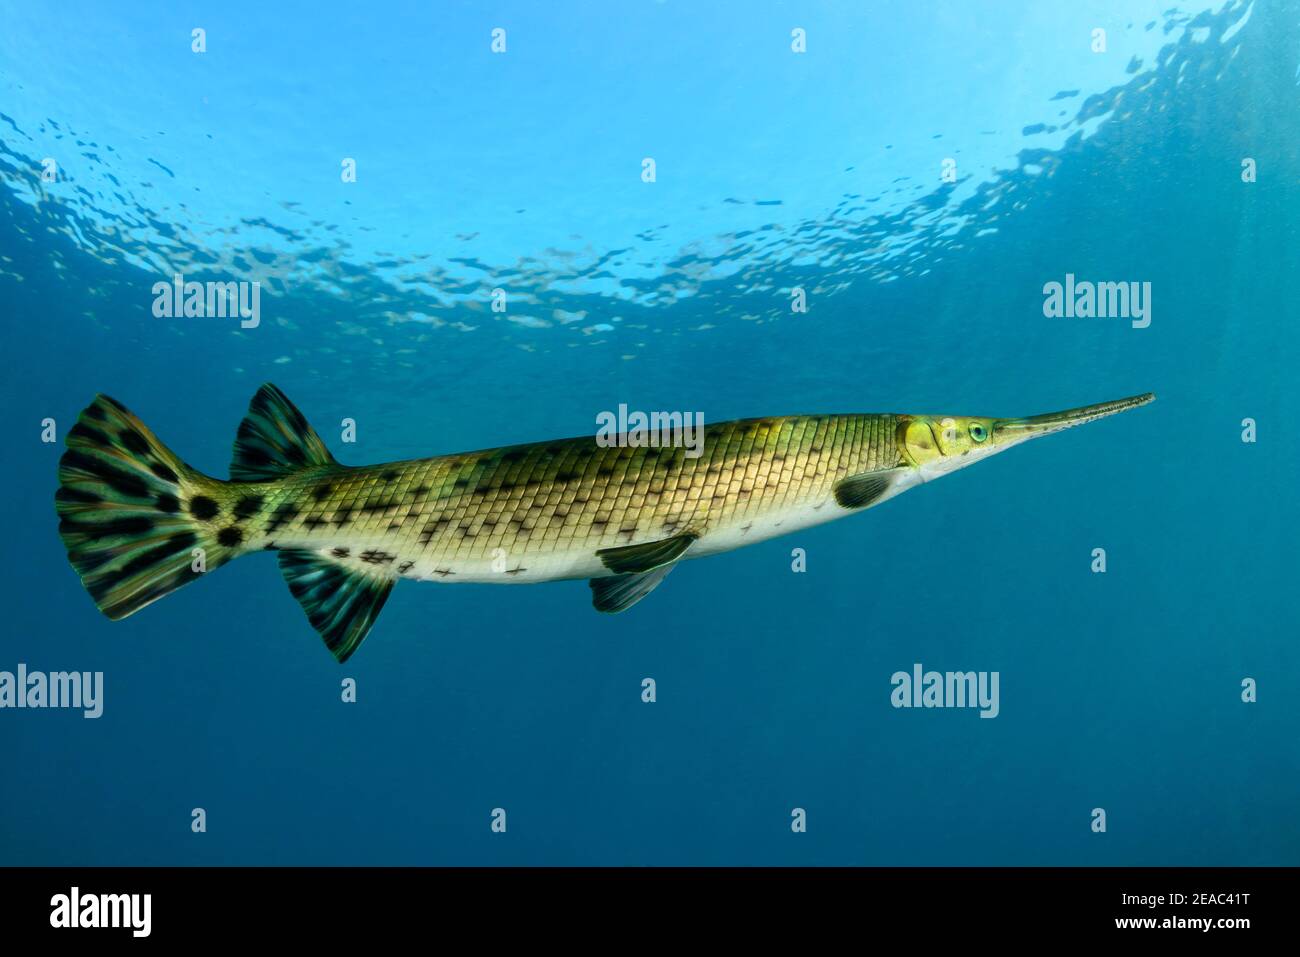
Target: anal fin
(341,603)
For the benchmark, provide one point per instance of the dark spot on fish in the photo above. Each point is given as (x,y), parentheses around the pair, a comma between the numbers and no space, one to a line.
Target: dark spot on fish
(387,476)
(80,496)
(321,492)
(251,456)
(147,559)
(164,472)
(203,508)
(419,491)
(281,516)
(376,557)
(247,507)
(88,562)
(93,436)
(133,441)
(344,517)
(160,586)
(568,476)
(432,528)
(514,455)
(116,526)
(314,522)
(340,552)
(124,483)
(230,537)
(168,502)
(96,413)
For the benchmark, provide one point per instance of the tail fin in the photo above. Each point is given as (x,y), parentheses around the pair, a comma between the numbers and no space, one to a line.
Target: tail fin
(133,515)
(139,523)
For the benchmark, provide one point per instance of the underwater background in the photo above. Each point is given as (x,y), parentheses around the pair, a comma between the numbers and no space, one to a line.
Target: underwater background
(828,170)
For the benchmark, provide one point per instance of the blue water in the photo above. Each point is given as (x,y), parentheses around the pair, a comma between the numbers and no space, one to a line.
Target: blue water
(774,169)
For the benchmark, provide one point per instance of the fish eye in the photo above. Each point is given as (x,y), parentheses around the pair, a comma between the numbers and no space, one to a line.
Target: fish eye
(977,432)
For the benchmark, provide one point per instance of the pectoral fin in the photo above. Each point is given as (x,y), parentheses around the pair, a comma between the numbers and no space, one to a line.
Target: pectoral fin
(860,491)
(640,569)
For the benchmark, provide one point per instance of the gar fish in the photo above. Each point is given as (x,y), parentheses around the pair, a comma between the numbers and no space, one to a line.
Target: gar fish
(139,523)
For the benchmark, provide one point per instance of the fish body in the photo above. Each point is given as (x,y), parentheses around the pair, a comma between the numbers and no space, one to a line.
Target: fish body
(545,510)
(139,523)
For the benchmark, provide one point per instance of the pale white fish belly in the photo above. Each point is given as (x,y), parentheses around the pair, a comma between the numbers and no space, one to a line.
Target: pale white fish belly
(526,568)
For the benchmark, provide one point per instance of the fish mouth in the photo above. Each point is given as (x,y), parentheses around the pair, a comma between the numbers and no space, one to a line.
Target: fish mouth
(1018,430)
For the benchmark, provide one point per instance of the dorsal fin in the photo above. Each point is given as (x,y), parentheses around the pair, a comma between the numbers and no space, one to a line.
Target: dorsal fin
(341,603)
(274,439)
